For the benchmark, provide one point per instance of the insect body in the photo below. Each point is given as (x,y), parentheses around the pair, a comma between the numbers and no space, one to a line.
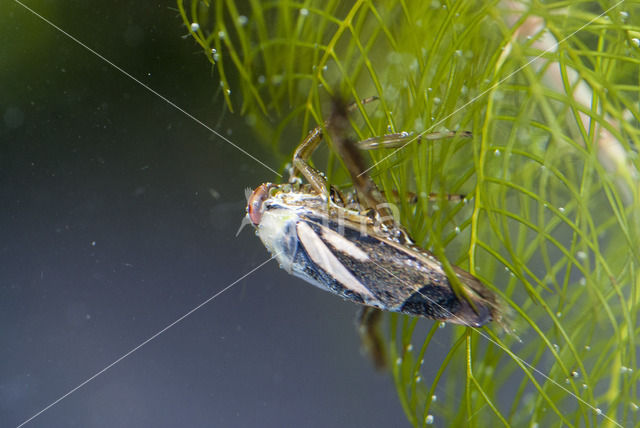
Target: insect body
(353,247)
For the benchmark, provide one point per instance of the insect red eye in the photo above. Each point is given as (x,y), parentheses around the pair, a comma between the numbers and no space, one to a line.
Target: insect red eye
(254,204)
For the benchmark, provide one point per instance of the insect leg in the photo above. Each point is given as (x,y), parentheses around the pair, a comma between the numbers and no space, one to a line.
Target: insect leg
(368,194)
(306,148)
(354,106)
(400,139)
(369,320)
(300,161)
(412,197)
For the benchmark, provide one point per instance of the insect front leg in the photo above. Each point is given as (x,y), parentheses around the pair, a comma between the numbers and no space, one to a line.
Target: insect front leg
(301,162)
(309,145)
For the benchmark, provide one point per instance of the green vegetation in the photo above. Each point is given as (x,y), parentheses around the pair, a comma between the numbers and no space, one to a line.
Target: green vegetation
(552,217)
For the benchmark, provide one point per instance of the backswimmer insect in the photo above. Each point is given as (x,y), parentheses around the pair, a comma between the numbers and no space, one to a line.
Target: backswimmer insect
(351,245)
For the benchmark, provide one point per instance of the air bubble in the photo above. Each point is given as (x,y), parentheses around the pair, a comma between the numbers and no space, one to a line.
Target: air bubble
(635,41)
(559,314)
(457,229)
(428,420)
(442,324)
(418,379)
(434,398)
(496,152)
(583,281)
(575,374)
(581,255)
(458,52)
(587,348)
(561,209)
(598,411)
(261,79)
(585,386)
(624,15)
(635,407)
(222,35)
(409,347)
(304,11)
(195,26)
(556,347)
(437,100)
(398,361)
(242,20)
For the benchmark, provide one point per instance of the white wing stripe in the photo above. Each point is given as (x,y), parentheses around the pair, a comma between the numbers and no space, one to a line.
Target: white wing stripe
(324,258)
(343,245)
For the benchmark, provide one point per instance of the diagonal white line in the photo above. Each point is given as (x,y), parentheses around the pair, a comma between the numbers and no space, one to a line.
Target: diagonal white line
(595,409)
(492,87)
(153,91)
(62,397)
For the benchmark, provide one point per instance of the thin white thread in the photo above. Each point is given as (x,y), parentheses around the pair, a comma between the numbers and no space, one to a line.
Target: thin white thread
(153,91)
(145,342)
(474,99)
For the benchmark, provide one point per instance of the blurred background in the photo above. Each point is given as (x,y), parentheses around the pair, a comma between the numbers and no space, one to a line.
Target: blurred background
(119,216)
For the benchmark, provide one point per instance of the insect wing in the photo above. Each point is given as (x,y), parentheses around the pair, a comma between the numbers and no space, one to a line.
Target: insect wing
(378,272)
